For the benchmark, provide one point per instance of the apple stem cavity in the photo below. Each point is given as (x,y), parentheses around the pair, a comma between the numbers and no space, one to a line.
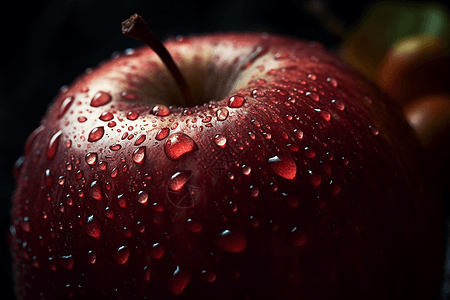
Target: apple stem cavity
(136,27)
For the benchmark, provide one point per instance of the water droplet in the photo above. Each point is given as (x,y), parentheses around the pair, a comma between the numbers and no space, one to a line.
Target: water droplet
(309,152)
(66,261)
(298,236)
(208,276)
(100,99)
(178,180)
(53,145)
(335,188)
(115,147)
(132,115)
(162,134)
(222,114)
(298,134)
(95,190)
(194,226)
(254,191)
(178,145)
(325,115)
(62,180)
(220,140)
(48,178)
(92,227)
(313,96)
(106,116)
(160,110)
(338,104)
(236,101)
(157,250)
(333,82)
(96,134)
(246,170)
(179,281)
(374,130)
(283,166)
(139,155)
(65,105)
(142,197)
(231,241)
(25,225)
(91,158)
(315,179)
(92,257)
(122,201)
(122,254)
(140,140)
(82,119)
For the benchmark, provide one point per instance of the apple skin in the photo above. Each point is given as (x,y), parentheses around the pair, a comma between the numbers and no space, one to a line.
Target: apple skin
(301,181)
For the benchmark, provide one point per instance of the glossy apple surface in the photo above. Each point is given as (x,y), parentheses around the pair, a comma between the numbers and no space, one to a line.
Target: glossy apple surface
(292,178)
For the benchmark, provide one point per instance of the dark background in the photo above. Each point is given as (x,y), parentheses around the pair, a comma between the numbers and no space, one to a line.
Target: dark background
(46,44)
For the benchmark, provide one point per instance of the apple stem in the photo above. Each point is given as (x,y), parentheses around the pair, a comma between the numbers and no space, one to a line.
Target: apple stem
(136,27)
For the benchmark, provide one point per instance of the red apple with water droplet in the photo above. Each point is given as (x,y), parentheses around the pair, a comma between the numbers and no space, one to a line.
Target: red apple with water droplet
(261,167)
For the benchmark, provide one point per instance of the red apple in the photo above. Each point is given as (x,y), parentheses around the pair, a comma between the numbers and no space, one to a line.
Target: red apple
(289,177)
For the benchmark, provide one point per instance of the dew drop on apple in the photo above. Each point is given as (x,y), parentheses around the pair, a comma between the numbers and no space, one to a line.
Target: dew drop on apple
(298,236)
(222,114)
(106,116)
(333,82)
(254,191)
(338,104)
(246,170)
(66,261)
(231,241)
(283,166)
(178,180)
(142,197)
(335,188)
(122,254)
(178,145)
(100,99)
(96,134)
(65,105)
(194,226)
(61,180)
(132,115)
(326,116)
(115,147)
(179,281)
(140,140)
(313,96)
(220,140)
(162,134)
(309,152)
(298,134)
(92,227)
(91,158)
(114,172)
(374,130)
(82,119)
(236,101)
(208,276)
(157,250)
(91,257)
(139,155)
(25,224)
(122,201)
(315,179)
(160,110)
(95,190)
(48,178)
(53,145)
